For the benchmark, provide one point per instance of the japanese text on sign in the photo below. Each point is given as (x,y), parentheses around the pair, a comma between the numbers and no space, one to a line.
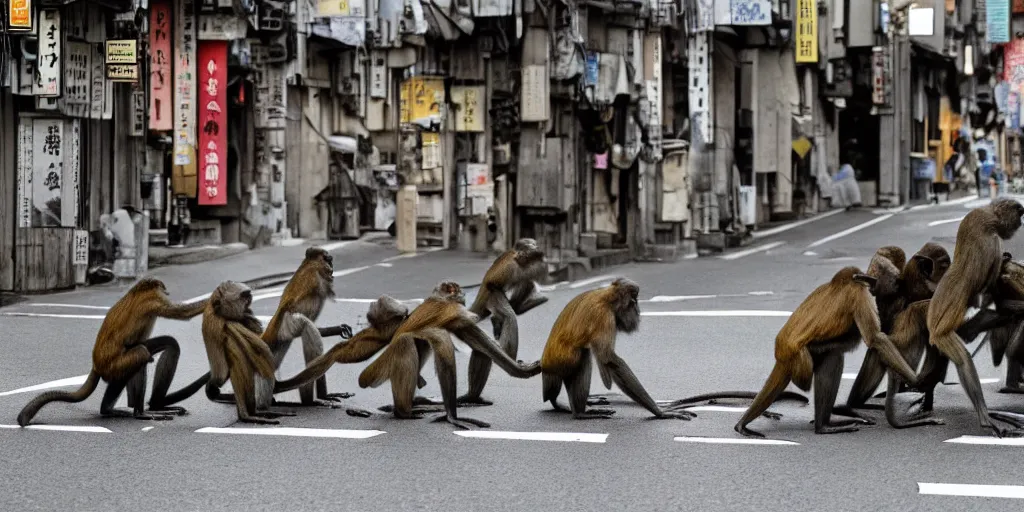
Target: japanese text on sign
(48,65)
(122,51)
(81,250)
(19,15)
(123,72)
(185,87)
(160,89)
(213,134)
(806,31)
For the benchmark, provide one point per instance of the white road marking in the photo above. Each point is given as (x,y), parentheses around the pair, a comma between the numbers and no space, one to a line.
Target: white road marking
(534,436)
(147,429)
(52,305)
(987,440)
(198,298)
(592,280)
(295,432)
(737,312)
(717,408)
(335,245)
(988,381)
(54,315)
(676,298)
(787,227)
(849,376)
(347,271)
(761,293)
(65,428)
(752,250)
(385,265)
(810,253)
(732,440)
(70,381)
(412,254)
(972,490)
(841,258)
(849,231)
(946,221)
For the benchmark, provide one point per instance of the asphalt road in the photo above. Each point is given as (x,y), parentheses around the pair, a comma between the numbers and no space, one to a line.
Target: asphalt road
(625,463)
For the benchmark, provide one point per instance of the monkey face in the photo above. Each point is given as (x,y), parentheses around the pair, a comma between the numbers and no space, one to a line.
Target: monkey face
(451,291)
(886,275)
(1008,214)
(385,311)
(625,305)
(1011,279)
(231,300)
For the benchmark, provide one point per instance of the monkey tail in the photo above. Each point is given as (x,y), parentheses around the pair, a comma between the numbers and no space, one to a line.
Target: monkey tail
(749,395)
(32,408)
(313,371)
(479,306)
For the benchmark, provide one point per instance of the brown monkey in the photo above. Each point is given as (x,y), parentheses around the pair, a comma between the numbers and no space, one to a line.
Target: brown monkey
(514,272)
(977,263)
(916,281)
(427,329)
(811,346)
(122,351)
(301,303)
(589,324)
(384,316)
(234,349)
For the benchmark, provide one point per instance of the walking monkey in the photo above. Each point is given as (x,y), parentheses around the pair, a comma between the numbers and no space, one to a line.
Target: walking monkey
(590,324)
(123,349)
(977,264)
(235,350)
(426,330)
(514,272)
(811,346)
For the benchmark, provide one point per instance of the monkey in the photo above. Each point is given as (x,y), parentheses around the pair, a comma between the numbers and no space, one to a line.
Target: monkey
(515,272)
(915,282)
(384,316)
(811,347)
(977,264)
(235,350)
(122,351)
(427,330)
(589,325)
(1008,340)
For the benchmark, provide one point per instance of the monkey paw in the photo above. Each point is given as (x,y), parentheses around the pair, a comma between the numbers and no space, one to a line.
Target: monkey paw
(259,421)
(465,400)
(154,417)
(463,423)
(675,415)
(772,415)
(597,400)
(1012,390)
(179,411)
(358,413)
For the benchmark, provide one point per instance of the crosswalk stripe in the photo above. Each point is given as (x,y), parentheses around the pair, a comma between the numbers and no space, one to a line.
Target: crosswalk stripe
(534,436)
(732,440)
(972,490)
(987,440)
(294,432)
(65,428)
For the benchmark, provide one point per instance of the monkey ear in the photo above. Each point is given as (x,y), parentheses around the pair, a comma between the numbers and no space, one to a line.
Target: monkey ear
(925,264)
(866,279)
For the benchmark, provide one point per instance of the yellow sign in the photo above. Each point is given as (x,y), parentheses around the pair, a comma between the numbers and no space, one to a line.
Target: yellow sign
(469,104)
(123,72)
(19,14)
(806,31)
(421,100)
(340,8)
(122,51)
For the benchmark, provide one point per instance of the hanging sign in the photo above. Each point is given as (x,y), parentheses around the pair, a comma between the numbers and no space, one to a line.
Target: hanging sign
(806,31)
(48,60)
(19,15)
(212,120)
(77,79)
(185,90)
(161,116)
(122,60)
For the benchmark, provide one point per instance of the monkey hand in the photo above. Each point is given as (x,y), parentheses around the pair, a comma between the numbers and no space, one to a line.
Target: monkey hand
(346,331)
(677,414)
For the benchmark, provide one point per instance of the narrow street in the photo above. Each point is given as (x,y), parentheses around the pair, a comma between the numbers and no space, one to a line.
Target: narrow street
(708,325)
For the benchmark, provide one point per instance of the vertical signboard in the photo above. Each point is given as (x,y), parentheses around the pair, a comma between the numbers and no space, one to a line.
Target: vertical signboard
(806,31)
(72,165)
(19,15)
(25,173)
(185,92)
(997,21)
(77,79)
(98,108)
(212,121)
(160,88)
(48,64)
(47,171)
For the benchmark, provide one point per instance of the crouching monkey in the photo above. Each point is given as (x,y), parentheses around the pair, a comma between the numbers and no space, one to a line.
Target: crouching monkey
(977,263)
(811,346)
(514,272)
(235,350)
(427,330)
(589,324)
(122,351)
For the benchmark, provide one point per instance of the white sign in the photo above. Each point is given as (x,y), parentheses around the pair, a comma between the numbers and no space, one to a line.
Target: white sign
(77,79)
(26,77)
(25,173)
(80,253)
(70,176)
(271,103)
(184,83)
(139,107)
(48,58)
(47,171)
(654,87)
(378,74)
(221,27)
(98,102)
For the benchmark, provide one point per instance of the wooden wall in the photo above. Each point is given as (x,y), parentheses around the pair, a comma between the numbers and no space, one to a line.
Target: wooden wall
(8,188)
(43,257)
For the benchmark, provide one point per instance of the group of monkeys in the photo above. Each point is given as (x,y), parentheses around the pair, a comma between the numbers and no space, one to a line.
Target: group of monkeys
(902,309)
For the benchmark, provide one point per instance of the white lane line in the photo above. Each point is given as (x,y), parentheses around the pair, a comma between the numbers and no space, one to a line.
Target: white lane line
(732,440)
(592,280)
(988,381)
(70,381)
(54,305)
(946,221)
(987,440)
(534,436)
(676,298)
(147,429)
(849,231)
(810,253)
(54,315)
(717,408)
(412,254)
(335,245)
(752,250)
(841,258)
(197,298)
(385,265)
(849,376)
(295,432)
(347,271)
(972,490)
(65,428)
(737,312)
(787,227)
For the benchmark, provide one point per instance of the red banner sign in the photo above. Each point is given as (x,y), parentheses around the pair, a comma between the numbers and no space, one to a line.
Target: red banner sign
(212,68)
(161,115)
